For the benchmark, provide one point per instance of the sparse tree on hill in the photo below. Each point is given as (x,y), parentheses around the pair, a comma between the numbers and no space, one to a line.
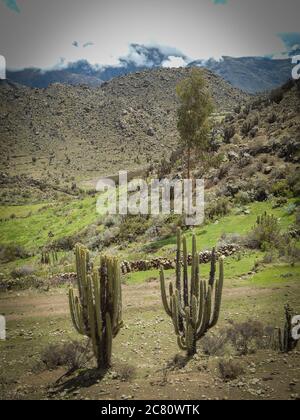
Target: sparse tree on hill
(193,114)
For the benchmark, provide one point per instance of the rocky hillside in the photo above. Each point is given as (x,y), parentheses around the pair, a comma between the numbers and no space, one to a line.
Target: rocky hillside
(260,145)
(75,133)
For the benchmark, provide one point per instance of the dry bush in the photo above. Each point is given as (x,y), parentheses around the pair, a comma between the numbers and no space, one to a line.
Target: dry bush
(229,132)
(215,345)
(247,337)
(126,373)
(230,369)
(73,355)
(218,208)
(21,272)
(10,253)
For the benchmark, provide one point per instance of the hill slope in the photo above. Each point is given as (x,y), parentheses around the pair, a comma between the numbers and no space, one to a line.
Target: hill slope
(251,74)
(68,132)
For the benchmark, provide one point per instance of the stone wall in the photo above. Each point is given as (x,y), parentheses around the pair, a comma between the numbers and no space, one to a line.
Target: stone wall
(152,264)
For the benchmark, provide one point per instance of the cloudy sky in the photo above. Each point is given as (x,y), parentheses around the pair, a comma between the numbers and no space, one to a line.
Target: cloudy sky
(45,33)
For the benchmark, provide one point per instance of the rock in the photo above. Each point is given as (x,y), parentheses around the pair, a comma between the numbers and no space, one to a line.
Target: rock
(233,155)
(268,170)
(151,132)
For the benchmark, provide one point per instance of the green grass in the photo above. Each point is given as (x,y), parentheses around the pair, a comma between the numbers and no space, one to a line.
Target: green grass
(209,235)
(278,274)
(7,212)
(61,219)
(234,268)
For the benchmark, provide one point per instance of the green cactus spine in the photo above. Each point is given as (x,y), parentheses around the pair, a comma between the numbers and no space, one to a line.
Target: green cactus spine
(192,307)
(97,310)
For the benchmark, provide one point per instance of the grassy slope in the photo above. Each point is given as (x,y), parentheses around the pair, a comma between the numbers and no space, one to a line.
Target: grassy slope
(33,223)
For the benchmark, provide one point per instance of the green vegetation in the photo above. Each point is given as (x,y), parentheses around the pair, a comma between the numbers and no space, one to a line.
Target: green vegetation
(37,226)
(193,113)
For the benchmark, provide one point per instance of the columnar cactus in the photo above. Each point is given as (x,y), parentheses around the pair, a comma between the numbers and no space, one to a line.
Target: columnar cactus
(97,311)
(191,305)
(286,340)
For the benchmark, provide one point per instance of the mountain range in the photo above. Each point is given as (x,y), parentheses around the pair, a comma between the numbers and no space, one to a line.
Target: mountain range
(250,74)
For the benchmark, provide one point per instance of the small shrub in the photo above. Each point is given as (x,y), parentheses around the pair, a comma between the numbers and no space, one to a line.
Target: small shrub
(280,189)
(10,253)
(21,272)
(110,221)
(72,355)
(276,95)
(229,132)
(215,345)
(265,233)
(280,202)
(126,373)
(243,198)
(133,226)
(231,238)
(218,208)
(230,369)
(272,118)
(291,209)
(247,337)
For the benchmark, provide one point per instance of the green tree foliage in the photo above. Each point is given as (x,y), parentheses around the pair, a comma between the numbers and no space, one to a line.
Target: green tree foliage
(193,115)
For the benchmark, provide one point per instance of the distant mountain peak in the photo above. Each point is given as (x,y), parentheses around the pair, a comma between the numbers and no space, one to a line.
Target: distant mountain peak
(251,74)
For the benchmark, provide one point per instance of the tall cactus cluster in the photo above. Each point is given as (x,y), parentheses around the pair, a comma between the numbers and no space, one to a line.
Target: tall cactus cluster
(191,304)
(97,310)
(285,337)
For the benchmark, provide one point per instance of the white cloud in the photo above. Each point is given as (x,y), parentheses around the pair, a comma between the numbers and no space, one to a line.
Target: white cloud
(174,62)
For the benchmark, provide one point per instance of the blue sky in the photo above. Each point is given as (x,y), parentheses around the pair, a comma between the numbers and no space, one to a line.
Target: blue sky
(47,33)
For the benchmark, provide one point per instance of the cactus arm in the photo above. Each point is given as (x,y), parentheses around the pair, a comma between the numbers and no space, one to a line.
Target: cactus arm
(194,268)
(109,337)
(185,274)
(181,343)
(212,268)
(164,294)
(116,292)
(171,289)
(218,294)
(178,261)
(175,315)
(81,324)
(201,305)
(92,318)
(197,277)
(206,316)
(73,311)
(98,309)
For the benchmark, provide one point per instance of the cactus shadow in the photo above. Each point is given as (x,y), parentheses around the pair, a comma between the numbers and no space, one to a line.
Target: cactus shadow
(84,379)
(178,362)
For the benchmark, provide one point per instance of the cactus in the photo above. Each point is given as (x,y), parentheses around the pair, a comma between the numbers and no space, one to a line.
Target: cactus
(286,340)
(191,305)
(97,311)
